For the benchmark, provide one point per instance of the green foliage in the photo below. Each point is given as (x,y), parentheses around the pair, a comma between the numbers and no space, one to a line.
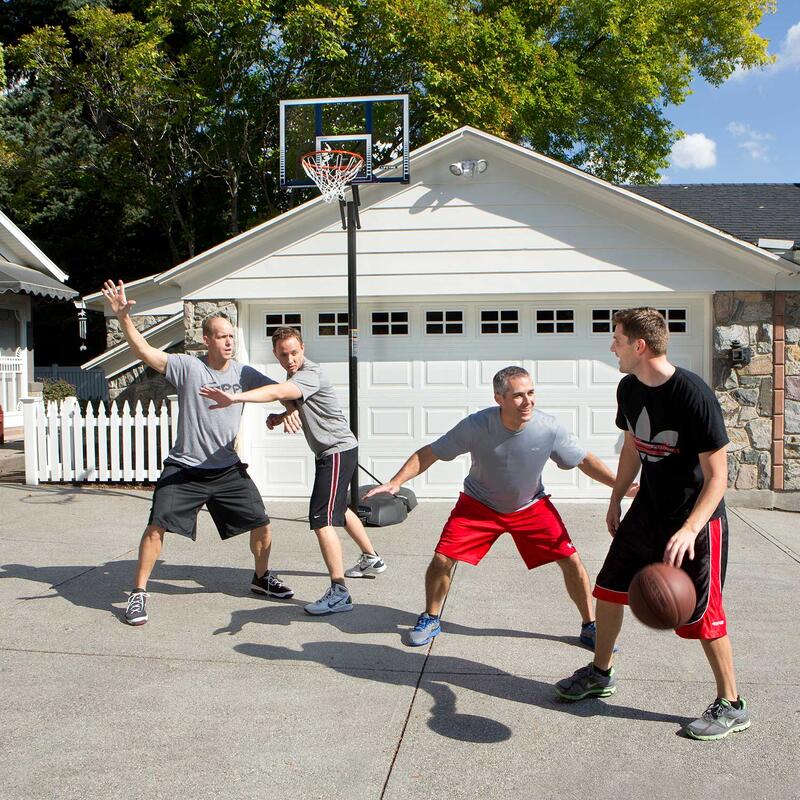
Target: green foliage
(56,390)
(157,119)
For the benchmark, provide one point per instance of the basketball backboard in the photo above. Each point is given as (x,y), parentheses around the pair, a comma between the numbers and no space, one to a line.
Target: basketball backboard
(375,127)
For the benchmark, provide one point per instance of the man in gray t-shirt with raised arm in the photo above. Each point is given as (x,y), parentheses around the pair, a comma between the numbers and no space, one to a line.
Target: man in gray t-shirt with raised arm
(202,467)
(336,452)
(510,445)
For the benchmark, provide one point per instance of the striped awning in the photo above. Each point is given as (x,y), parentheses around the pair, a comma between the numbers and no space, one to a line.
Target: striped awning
(14,278)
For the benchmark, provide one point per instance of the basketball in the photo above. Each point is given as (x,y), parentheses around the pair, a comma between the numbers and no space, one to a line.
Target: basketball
(662,596)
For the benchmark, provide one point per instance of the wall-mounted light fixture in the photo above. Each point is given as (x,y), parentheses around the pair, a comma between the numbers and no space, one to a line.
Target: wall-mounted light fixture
(469,167)
(741,356)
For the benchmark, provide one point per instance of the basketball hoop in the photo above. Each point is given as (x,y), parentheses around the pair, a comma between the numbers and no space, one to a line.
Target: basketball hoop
(332,171)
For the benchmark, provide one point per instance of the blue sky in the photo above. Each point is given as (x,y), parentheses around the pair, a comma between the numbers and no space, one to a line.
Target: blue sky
(748,129)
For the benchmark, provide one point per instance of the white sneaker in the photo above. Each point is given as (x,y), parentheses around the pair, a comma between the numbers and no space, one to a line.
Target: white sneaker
(367,565)
(336,599)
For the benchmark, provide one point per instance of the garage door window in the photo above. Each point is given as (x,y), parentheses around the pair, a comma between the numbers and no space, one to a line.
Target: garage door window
(602,320)
(555,320)
(390,323)
(444,322)
(291,319)
(332,323)
(505,320)
(676,319)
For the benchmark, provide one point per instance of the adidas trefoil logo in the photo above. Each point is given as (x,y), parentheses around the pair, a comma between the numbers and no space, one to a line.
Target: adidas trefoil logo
(652,448)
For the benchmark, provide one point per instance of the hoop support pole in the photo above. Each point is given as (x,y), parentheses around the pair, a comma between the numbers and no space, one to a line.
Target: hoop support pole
(352,321)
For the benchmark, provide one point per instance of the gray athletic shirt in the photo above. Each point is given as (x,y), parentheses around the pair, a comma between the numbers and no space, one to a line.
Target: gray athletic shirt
(506,472)
(324,425)
(205,438)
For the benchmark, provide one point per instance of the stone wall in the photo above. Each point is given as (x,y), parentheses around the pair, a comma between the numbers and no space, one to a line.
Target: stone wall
(745,393)
(114,333)
(141,383)
(791,446)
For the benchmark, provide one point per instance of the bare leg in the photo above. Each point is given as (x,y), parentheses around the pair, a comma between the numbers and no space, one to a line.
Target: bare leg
(720,656)
(609,624)
(331,549)
(437,582)
(356,531)
(260,545)
(577,582)
(149,551)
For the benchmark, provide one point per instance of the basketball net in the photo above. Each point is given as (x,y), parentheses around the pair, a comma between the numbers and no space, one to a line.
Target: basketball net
(332,171)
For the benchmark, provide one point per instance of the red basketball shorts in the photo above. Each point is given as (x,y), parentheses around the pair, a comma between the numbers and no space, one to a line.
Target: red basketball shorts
(538,532)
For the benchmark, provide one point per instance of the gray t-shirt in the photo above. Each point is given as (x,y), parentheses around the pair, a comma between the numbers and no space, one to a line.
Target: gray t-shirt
(324,425)
(506,472)
(206,438)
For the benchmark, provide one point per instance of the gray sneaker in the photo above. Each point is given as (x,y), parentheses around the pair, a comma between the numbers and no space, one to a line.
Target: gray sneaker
(426,628)
(586,682)
(336,599)
(368,564)
(718,720)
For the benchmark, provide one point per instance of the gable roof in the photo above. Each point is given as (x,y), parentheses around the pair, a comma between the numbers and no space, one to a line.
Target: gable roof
(17,248)
(748,211)
(288,224)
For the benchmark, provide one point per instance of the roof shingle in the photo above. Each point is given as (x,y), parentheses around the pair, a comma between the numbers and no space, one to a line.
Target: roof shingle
(748,211)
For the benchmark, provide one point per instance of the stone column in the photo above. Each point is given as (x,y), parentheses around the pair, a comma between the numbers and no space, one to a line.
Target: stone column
(791,438)
(746,393)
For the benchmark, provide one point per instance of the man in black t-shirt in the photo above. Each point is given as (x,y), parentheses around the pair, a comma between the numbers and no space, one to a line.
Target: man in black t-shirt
(674,431)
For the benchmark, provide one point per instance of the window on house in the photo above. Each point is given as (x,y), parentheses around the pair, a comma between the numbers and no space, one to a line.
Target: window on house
(676,319)
(332,323)
(602,320)
(555,320)
(444,322)
(390,323)
(290,319)
(504,320)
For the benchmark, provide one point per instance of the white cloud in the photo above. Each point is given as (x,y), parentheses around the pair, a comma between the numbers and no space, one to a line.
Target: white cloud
(694,151)
(789,54)
(753,142)
(787,57)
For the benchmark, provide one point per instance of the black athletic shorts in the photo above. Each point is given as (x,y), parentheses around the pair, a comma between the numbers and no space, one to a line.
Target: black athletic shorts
(332,488)
(229,494)
(640,541)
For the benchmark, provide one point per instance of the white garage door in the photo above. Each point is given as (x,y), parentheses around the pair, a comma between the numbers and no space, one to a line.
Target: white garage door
(423,366)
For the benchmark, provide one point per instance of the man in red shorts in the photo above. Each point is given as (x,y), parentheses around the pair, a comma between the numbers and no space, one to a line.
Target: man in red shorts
(509,446)
(675,432)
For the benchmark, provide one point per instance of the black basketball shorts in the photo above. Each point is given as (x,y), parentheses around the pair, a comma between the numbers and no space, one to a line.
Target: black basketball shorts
(640,541)
(229,494)
(331,488)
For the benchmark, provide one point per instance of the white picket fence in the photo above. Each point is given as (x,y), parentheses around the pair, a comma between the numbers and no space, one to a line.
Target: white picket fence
(10,381)
(104,446)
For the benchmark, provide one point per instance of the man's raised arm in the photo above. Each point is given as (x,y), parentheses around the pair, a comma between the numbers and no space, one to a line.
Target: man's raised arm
(416,464)
(121,306)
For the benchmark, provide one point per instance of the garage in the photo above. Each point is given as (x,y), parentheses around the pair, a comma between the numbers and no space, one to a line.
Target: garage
(425,364)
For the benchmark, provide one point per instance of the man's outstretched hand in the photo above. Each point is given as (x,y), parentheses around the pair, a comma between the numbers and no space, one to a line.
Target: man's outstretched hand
(115,294)
(220,398)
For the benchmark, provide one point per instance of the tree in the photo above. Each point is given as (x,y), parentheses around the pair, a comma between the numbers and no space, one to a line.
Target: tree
(181,96)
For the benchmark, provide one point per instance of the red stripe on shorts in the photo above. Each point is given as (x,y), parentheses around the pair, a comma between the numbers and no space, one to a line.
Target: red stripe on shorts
(610,596)
(712,623)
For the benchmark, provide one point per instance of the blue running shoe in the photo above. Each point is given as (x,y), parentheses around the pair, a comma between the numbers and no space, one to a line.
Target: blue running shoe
(588,635)
(423,632)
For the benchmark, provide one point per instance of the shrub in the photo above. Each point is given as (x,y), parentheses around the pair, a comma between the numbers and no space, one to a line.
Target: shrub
(56,390)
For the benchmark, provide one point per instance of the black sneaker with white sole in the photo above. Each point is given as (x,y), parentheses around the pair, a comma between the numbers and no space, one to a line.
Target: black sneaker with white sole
(271,585)
(136,612)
